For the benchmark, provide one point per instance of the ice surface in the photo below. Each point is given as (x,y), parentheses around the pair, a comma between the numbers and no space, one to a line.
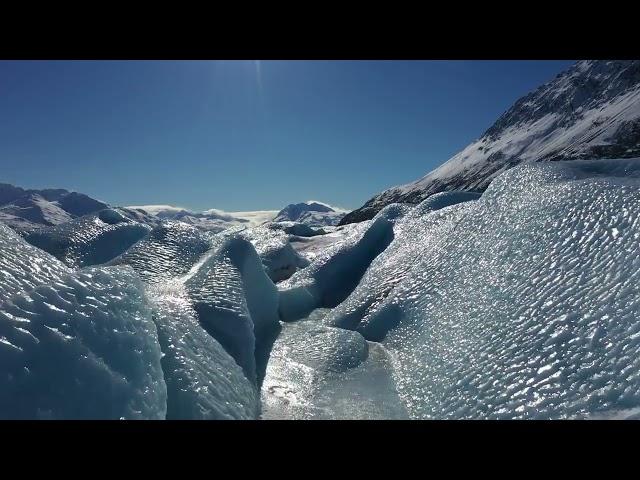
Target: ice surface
(278,257)
(336,271)
(386,271)
(23,266)
(169,251)
(522,304)
(236,302)
(89,240)
(312,247)
(81,347)
(203,381)
(318,372)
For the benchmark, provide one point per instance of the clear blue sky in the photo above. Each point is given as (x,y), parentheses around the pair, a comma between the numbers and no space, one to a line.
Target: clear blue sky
(244,135)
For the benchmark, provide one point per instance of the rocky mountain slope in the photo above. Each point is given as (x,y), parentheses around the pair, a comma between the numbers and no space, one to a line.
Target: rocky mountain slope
(26,210)
(590,111)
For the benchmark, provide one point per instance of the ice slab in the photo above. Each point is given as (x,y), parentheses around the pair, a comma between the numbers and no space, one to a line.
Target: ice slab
(236,302)
(24,266)
(82,347)
(89,240)
(203,380)
(522,304)
(169,251)
(334,273)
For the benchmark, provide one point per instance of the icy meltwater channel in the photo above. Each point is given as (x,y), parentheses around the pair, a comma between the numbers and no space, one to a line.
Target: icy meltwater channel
(317,372)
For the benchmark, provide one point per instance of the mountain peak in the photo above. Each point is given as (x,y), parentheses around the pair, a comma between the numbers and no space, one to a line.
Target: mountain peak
(589,111)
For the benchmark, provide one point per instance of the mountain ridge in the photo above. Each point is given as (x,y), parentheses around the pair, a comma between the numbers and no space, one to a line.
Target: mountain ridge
(589,111)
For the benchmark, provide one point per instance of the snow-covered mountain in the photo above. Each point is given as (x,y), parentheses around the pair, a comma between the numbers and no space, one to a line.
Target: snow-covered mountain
(312,213)
(590,111)
(25,210)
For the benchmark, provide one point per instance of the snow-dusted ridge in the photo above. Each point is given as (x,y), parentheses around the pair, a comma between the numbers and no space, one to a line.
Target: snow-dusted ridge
(590,111)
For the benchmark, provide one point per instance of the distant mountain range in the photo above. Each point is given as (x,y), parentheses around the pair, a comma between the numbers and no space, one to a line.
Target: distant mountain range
(25,210)
(28,210)
(590,111)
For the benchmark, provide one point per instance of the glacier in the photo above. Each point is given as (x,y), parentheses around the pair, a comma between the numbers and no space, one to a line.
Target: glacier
(236,302)
(521,304)
(278,257)
(203,381)
(82,347)
(91,239)
(333,274)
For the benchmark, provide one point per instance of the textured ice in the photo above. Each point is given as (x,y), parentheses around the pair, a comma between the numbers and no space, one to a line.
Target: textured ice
(278,257)
(89,240)
(441,200)
(203,381)
(170,250)
(81,347)
(386,271)
(305,357)
(522,304)
(312,247)
(23,266)
(236,302)
(335,272)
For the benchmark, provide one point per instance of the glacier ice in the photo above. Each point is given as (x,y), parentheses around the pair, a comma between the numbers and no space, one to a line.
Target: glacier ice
(278,257)
(522,304)
(168,251)
(203,381)
(197,280)
(319,372)
(81,347)
(24,266)
(386,271)
(236,302)
(333,274)
(89,240)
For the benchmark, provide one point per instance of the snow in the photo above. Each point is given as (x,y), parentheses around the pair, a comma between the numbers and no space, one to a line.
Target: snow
(595,124)
(521,304)
(251,218)
(26,210)
(295,228)
(590,111)
(82,347)
(213,219)
(312,213)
